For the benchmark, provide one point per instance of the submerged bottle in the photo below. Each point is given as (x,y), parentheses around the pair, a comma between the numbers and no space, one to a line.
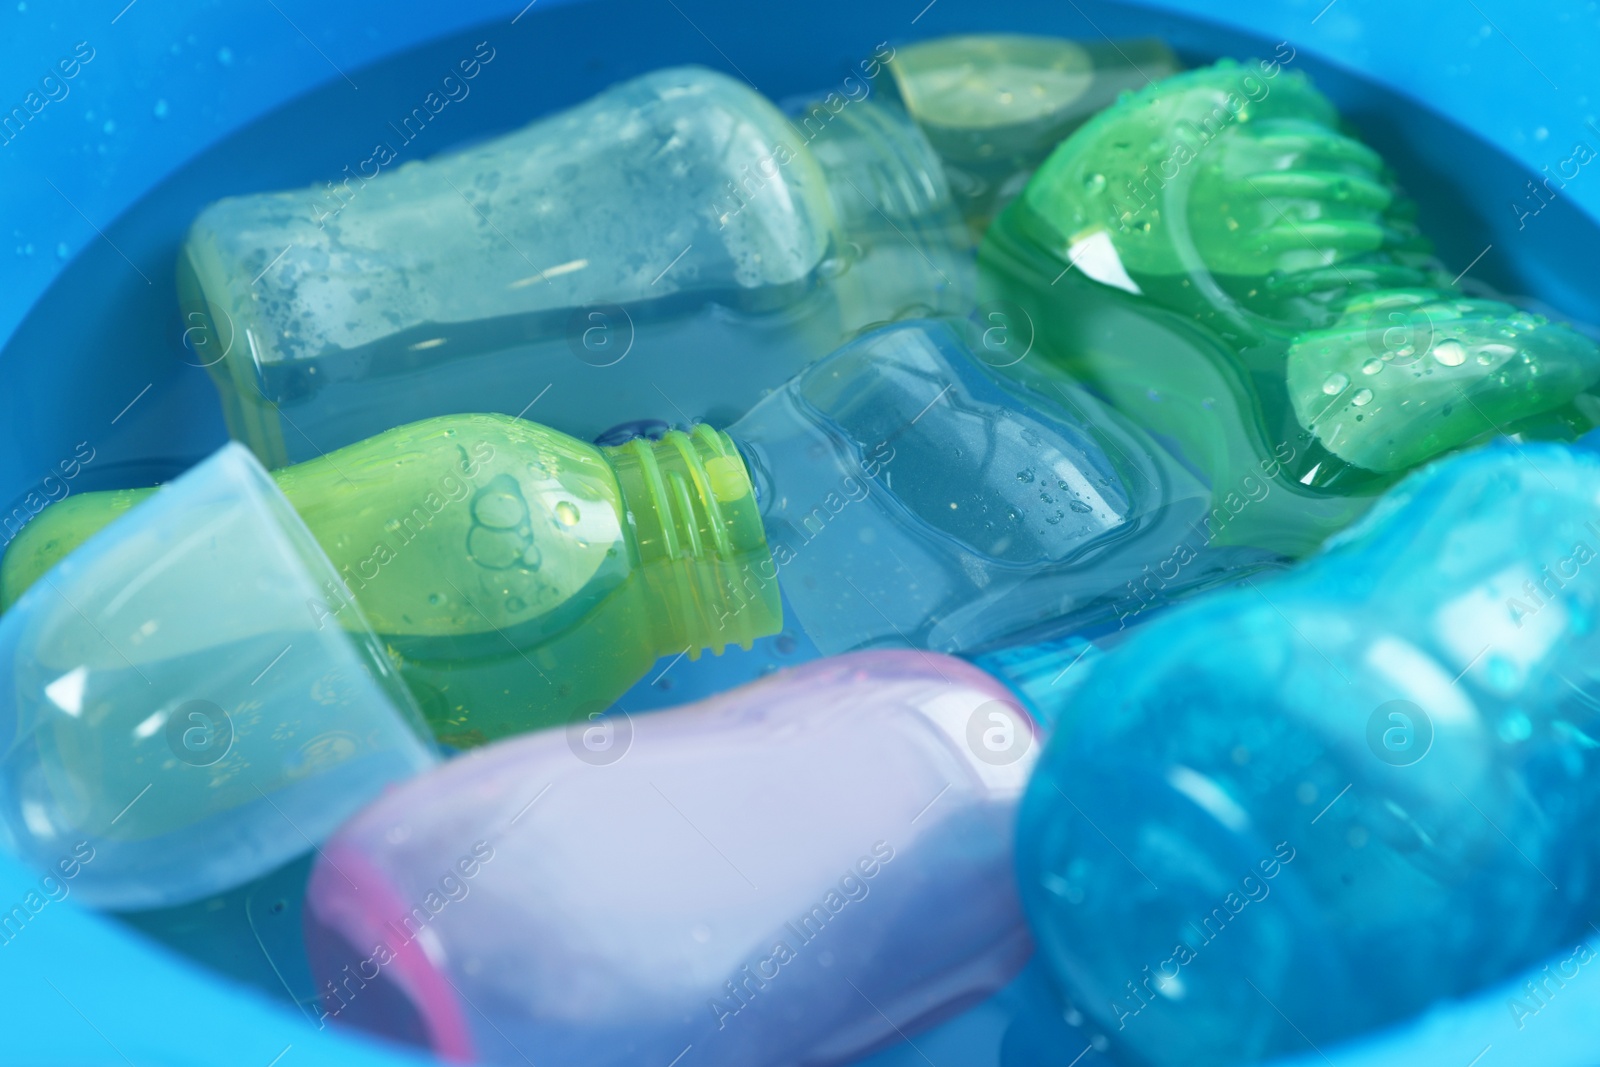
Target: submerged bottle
(800,870)
(1281,816)
(1236,274)
(928,485)
(900,492)
(676,223)
(178,721)
(517,577)
(994,105)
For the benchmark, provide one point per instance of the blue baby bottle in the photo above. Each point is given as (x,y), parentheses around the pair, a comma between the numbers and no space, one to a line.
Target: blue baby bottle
(1312,806)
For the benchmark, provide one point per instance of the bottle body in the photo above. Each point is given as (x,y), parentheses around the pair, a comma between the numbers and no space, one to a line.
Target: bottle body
(1239,276)
(760,847)
(518,577)
(1345,788)
(914,495)
(675,223)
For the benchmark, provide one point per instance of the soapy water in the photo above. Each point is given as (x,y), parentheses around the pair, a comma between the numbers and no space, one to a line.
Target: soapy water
(152,343)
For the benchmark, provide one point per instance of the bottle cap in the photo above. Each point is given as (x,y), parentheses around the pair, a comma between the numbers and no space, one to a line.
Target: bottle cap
(186,714)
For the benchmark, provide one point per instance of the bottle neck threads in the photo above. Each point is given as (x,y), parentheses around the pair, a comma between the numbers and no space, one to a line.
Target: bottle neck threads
(709,576)
(878,163)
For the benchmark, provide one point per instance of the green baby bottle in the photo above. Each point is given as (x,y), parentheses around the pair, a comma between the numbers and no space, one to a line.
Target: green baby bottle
(1235,273)
(517,577)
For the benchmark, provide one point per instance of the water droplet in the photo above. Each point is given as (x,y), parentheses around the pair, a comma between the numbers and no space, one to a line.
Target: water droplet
(1025,476)
(1407,349)
(225,56)
(567,513)
(1492,351)
(1094,183)
(1372,366)
(516,604)
(532,557)
(62,251)
(161,109)
(435,599)
(1080,507)
(1362,398)
(1335,384)
(1055,518)
(1450,353)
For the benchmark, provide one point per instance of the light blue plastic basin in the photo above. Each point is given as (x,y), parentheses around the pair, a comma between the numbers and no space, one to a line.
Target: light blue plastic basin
(100,184)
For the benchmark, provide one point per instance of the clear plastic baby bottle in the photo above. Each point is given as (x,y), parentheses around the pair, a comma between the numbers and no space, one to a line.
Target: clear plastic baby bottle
(671,249)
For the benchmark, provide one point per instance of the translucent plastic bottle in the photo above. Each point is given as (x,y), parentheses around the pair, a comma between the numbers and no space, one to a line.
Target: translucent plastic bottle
(670,249)
(901,492)
(1287,814)
(927,486)
(797,871)
(1238,275)
(994,105)
(178,721)
(519,577)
